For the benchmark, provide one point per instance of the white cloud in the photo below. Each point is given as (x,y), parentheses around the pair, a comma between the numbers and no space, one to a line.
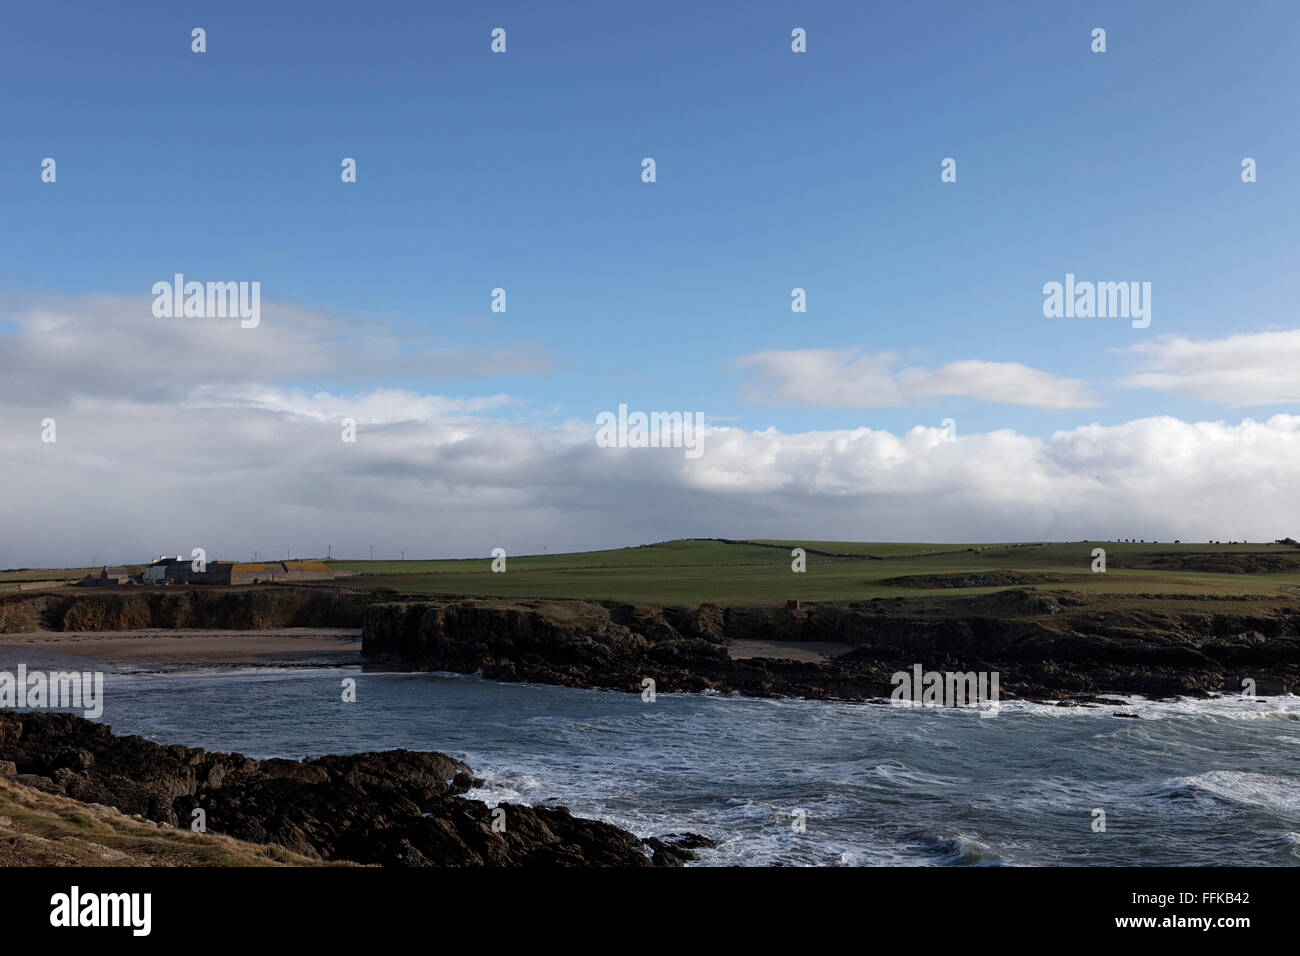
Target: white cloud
(220,453)
(130,479)
(850,378)
(1260,368)
(113,346)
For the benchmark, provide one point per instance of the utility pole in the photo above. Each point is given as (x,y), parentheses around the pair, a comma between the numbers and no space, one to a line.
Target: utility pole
(329,551)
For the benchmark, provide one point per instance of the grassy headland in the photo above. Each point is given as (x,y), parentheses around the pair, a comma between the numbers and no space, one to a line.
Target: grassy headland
(926,576)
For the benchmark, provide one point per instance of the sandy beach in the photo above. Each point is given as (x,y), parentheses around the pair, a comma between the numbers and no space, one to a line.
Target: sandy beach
(813,651)
(198,646)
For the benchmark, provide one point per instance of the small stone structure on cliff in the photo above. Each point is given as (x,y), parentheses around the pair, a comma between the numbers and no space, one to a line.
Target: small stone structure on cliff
(180,571)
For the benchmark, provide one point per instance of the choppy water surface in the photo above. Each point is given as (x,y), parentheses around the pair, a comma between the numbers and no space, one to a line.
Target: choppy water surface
(1190,783)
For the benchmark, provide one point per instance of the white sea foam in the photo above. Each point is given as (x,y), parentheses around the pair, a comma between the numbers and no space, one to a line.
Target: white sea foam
(1265,791)
(1233,706)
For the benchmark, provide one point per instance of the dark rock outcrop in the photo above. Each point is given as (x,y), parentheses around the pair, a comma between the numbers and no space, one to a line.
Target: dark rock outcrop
(1045,645)
(140,608)
(397,808)
(1227,563)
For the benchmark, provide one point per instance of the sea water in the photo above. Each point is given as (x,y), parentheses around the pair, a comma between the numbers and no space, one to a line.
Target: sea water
(793,782)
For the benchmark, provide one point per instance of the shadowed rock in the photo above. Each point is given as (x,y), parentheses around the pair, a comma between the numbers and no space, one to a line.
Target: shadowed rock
(398,807)
(1045,645)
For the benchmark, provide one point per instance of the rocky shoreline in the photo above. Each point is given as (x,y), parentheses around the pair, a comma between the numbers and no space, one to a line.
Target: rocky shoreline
(404,808)
(1045,646)
(392,808)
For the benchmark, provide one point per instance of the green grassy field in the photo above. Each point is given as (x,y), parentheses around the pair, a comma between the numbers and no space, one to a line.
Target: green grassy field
(758,572)
(9,579)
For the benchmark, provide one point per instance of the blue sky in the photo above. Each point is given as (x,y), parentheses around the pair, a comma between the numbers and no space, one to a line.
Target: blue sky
(775,170)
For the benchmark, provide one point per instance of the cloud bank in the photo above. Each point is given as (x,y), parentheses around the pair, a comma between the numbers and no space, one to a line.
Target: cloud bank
(167,443)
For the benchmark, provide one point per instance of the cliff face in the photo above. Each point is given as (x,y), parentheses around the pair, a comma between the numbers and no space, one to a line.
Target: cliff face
(562,642)
(1045,645)
(171,608)
(397,807)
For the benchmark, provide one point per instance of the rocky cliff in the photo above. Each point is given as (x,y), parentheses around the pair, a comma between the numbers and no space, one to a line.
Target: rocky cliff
(140,608)
(1045,645)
